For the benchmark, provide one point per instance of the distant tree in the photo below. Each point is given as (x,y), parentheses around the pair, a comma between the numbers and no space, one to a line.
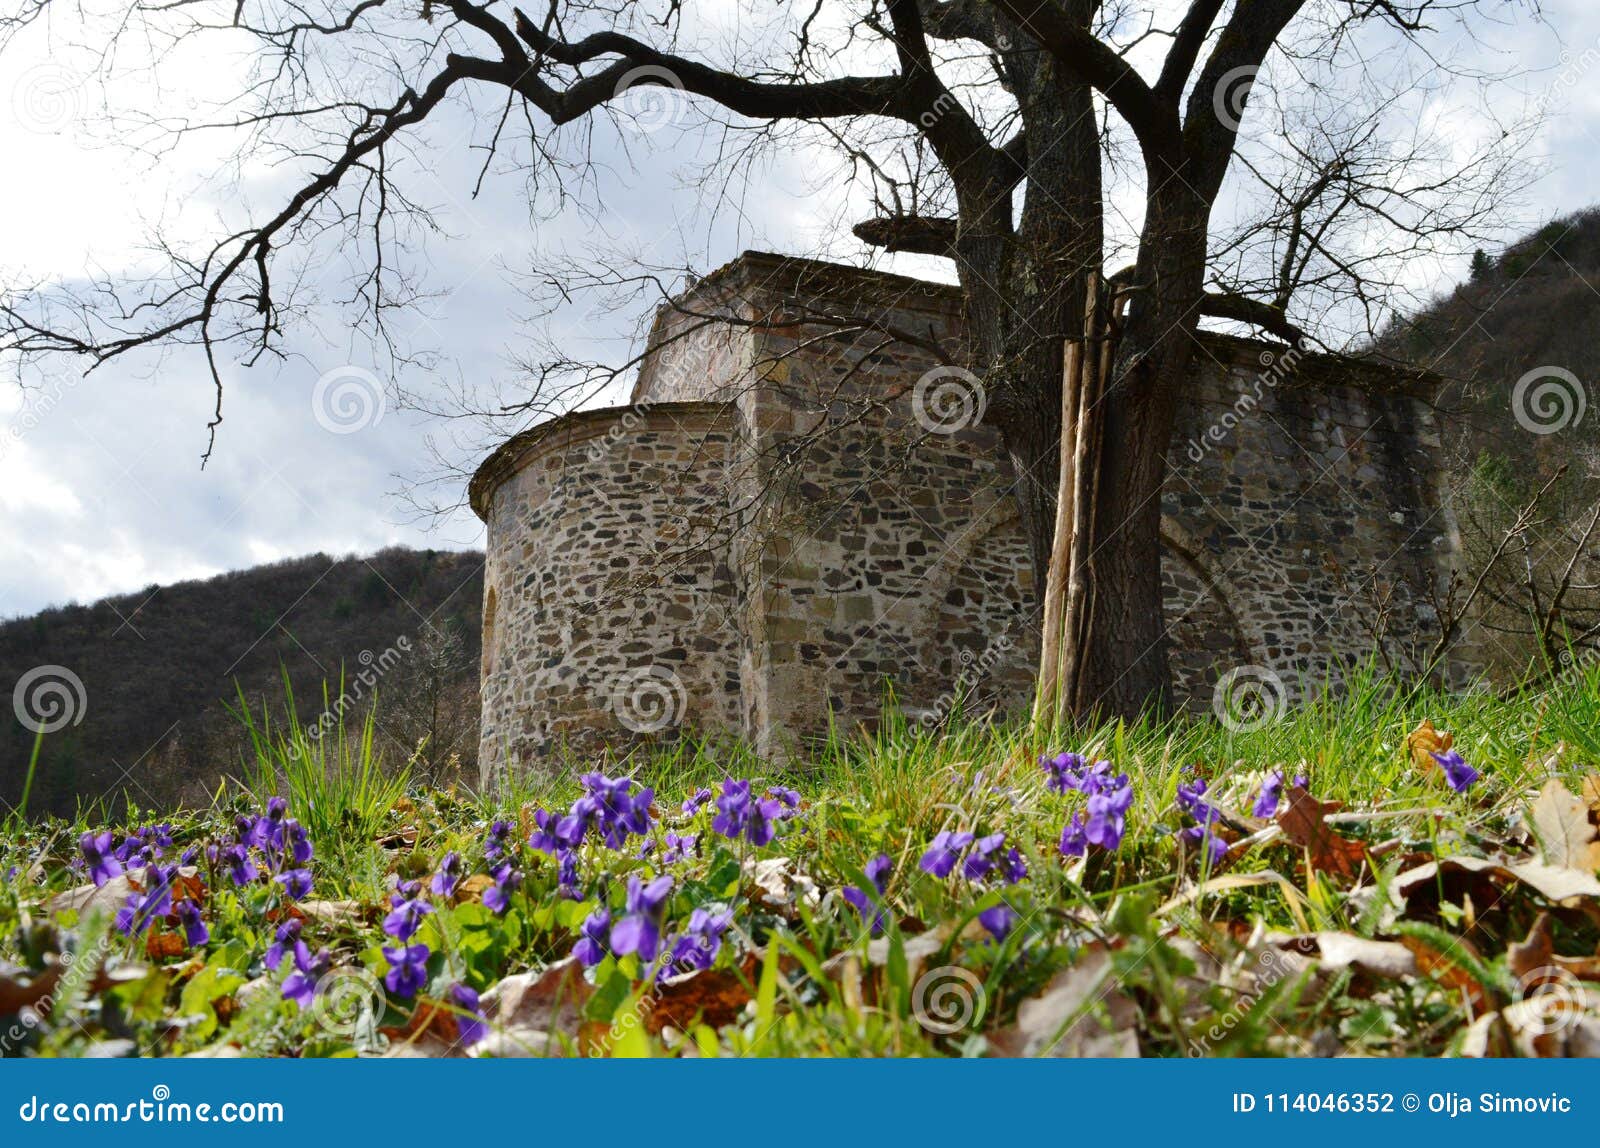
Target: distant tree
(991,133)
(1482,266)
(429,705)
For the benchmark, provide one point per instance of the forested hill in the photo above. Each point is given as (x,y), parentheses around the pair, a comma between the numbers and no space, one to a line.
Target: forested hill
(157,666)
(1531,309)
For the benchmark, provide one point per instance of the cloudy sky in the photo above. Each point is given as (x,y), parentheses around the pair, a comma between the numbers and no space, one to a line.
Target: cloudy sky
(101,488)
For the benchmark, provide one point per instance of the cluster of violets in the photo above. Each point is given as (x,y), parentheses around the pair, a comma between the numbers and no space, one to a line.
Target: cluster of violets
(1103,820)
(981,861)
(143,849)
(1202,834)
(272,843)
(614,813)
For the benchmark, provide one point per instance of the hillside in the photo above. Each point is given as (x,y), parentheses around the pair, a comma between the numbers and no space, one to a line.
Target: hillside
(157,667)
(1515,347)
(1531,307)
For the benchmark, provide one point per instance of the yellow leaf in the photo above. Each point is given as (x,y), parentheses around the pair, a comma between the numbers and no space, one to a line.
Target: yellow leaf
(1425,741)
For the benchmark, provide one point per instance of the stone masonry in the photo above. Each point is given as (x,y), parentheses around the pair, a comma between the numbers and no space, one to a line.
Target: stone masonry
(801,518)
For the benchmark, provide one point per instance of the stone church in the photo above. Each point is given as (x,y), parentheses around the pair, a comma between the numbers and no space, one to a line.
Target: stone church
(801,515)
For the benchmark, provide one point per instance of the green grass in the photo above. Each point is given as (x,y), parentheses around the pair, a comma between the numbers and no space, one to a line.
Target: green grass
(1179,952)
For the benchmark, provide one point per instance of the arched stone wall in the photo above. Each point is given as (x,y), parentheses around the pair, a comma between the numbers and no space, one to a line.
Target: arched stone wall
(608,596)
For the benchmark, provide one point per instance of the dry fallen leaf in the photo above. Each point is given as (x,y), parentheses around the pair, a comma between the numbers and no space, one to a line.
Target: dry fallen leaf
(160,946)
(1449,972)
(1301,820)
(1536,952)
(528,1009)
(1425,741)
(713,996)
(1562,823)
(1335,952)
(1077,1015)
(1557,885)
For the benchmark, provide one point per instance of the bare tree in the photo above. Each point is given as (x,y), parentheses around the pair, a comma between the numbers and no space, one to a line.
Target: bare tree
(994,133)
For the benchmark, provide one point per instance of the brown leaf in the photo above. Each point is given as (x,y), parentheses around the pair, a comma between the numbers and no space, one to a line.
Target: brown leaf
(1425,741)
(162,946)
(1302,823)
(1560,886)
(1447,972)
(1591,793)
(1536,952)
(472,888)
(430,1031)
(713,996)
(1336,952)
(1562,823)
(17,994)
(529,1009)
(1078,1014)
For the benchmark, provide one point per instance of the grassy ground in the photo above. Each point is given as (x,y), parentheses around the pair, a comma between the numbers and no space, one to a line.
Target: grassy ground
(1321,930)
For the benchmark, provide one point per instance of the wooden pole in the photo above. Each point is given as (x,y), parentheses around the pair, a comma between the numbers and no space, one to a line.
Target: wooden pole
(1054,589)
(1077,604)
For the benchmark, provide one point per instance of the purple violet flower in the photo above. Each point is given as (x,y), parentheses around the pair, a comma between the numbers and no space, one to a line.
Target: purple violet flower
(195,932)
(449,875)
(679,848)
(999,920)
(1215,848)
(494,845)
(640,930)
(408,969)
(471,1025)
(98,856)
(1013,867)
(240,867)
(1457,773)
(1107,808)
(300,851)
(877,871)
(286,939)
(1074,842)
(739,814)
(1062,772)
(943,852)
(977,864)
(696,801)
(497,897)
(1271,793)
(296,883)
(141,909)
(591,948)
(405,918)
(300,986)
(544,839)
(697,946)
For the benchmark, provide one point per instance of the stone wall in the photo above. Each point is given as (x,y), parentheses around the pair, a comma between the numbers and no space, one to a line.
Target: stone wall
(803,512)
(609,601)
